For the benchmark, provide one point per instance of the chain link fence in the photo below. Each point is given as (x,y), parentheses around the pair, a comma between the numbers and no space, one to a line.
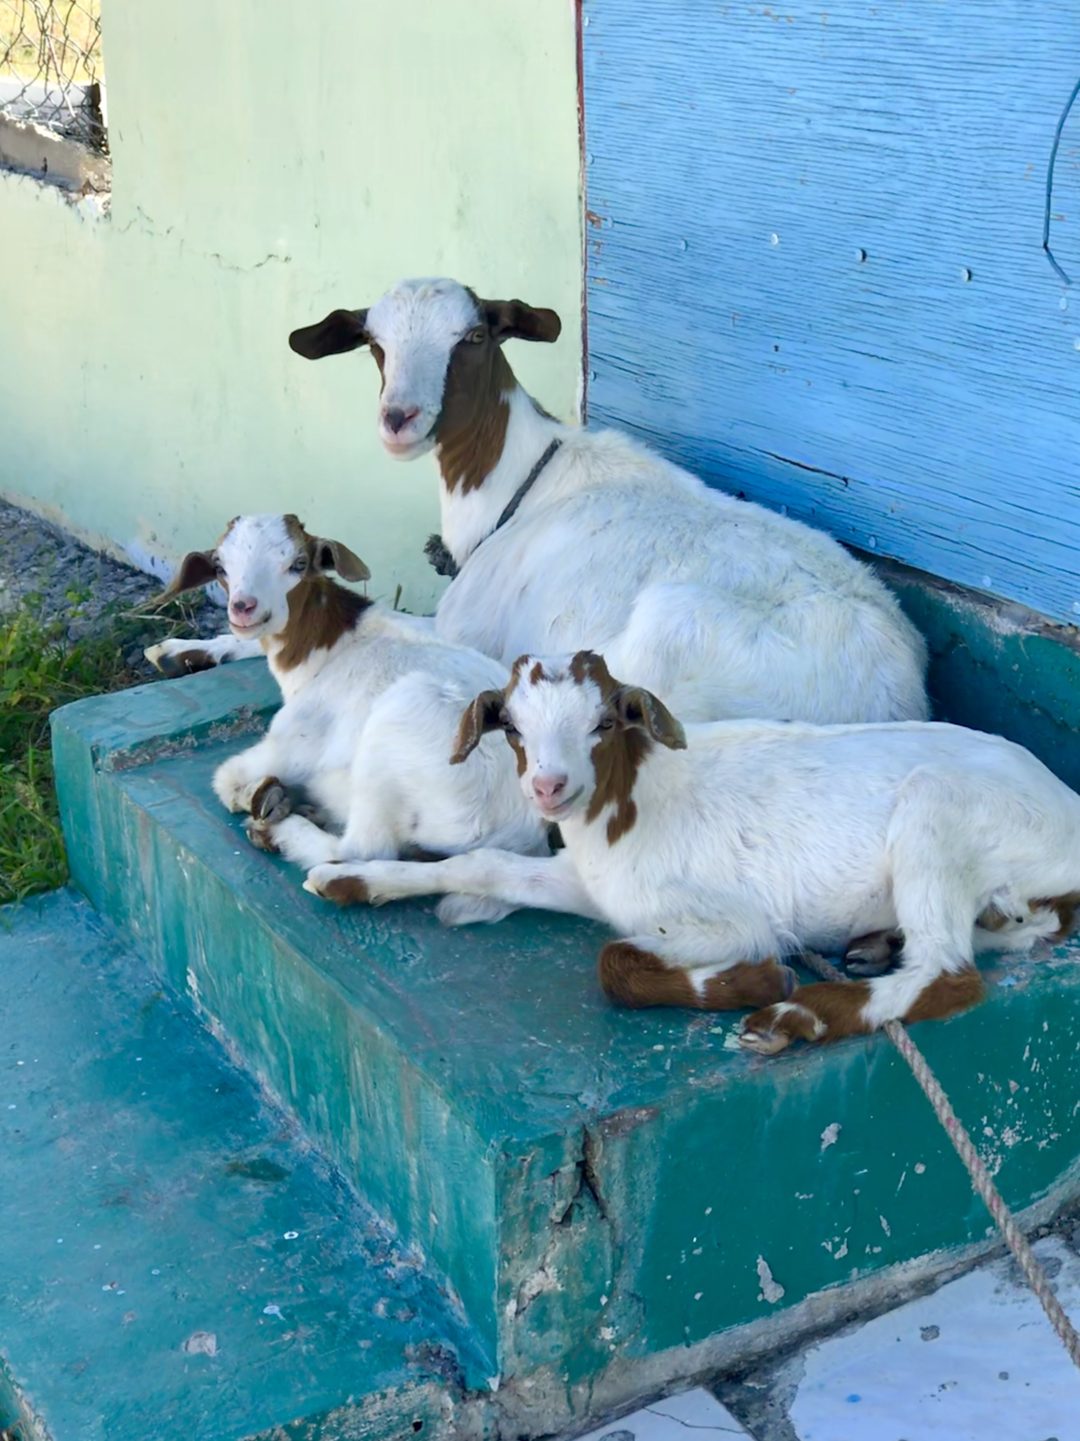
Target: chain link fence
(50,66)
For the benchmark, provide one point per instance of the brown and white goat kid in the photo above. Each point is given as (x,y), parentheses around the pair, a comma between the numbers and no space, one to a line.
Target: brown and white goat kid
(716,850)
(567,538)
(372,701)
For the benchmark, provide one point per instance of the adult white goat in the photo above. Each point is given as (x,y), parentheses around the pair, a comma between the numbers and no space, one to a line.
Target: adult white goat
(566,538)
(372,701)
(715,850)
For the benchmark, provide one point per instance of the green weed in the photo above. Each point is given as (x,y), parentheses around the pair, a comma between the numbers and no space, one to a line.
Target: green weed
(41,669)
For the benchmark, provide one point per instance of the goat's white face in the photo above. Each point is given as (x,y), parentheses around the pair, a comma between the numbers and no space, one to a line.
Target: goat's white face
(259,560)
(413,331)
(437,347)
(579,736)
(554,719)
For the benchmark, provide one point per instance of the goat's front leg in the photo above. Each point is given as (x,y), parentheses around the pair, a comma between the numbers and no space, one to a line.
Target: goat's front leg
(183,657)
(547,883)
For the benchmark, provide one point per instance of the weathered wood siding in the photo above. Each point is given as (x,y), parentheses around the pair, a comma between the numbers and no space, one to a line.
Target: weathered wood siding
(816,275)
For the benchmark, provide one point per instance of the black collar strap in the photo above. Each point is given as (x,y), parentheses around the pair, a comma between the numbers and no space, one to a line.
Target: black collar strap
(437,553)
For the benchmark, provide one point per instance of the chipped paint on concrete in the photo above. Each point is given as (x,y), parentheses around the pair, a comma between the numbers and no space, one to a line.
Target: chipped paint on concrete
(771,1291)
(830,1135)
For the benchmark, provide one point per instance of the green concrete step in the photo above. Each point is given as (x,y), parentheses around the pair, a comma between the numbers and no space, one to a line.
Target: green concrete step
(608,1194)
(177,1264)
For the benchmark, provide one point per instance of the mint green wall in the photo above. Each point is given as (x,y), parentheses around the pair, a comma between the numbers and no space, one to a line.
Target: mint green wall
(271,161)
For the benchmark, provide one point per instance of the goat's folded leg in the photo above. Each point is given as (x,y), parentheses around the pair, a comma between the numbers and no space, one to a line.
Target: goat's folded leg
(238,780)
(1000,926)
(633,973)
(874,953)
(184,657)
(831,1010)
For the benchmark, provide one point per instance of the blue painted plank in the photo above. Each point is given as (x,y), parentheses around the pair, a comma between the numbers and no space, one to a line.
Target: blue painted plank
(815,268)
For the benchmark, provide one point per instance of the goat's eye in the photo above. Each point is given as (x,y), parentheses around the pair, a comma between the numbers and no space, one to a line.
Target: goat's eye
(477,336)
(219,570)
(508,725)
(606,724)
(298,566)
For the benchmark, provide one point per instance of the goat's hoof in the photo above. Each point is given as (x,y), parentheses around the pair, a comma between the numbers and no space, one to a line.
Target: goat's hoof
(763,1042)
(261,836)
(772,1029)
(328,883)
(173,664)
(874,954)
(270,802)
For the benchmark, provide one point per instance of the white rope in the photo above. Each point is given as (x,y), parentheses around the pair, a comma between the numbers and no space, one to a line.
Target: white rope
(981,1179)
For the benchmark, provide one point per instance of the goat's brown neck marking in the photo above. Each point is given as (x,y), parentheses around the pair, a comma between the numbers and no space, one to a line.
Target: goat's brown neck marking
(320,613)
(617,755)
(616,759)
(471,429)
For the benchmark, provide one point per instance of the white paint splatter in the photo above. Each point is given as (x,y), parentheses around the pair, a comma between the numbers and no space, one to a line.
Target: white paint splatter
(919,1168)
(771,1290)
(885,1226)
(830,1135)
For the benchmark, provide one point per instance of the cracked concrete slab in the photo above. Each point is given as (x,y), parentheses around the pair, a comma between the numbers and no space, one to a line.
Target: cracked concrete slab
(691,1413)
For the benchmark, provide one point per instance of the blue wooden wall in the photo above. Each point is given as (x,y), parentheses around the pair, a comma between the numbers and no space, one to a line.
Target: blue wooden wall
(815,270)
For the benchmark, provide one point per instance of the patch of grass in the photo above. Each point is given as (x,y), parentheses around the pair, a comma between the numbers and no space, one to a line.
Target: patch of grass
(41,669)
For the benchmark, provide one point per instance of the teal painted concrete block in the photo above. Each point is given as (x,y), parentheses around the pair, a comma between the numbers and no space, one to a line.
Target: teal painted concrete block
(608,1194)
(178,1264)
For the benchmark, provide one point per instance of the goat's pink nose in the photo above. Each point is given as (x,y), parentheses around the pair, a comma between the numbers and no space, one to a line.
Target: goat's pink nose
(242,605)
(548,788)
(395,418)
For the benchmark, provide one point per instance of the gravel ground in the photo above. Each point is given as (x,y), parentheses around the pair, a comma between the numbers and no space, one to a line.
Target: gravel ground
(66,581)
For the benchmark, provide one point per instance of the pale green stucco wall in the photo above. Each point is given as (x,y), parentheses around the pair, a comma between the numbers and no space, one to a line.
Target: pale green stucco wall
(272,160)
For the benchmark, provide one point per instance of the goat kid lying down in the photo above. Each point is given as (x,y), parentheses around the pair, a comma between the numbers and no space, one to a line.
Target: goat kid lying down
(372,700)
(715,850)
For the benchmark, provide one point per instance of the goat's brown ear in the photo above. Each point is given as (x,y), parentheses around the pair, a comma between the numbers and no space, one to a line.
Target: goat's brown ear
(481,716)
(342,330)
(197,568)
(332,555)
(514,320)
(640,708)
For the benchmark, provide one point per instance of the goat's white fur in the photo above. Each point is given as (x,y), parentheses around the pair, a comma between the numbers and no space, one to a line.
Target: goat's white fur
(720,607)
(366,727)
(761,839)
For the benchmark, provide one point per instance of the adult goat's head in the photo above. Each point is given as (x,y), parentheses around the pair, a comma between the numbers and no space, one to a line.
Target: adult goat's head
(437,346)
